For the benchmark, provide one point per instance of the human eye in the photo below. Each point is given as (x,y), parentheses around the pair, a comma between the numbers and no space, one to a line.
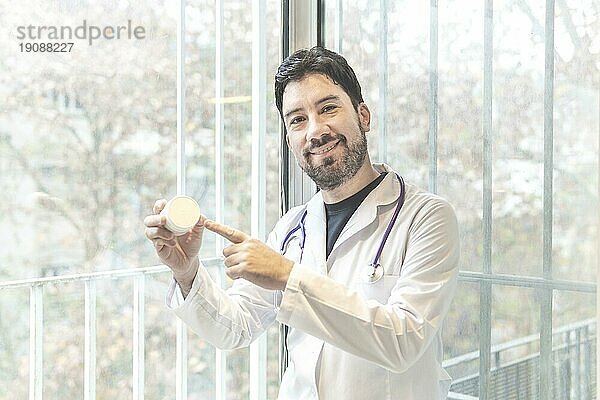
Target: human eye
(329,108)
(296,120)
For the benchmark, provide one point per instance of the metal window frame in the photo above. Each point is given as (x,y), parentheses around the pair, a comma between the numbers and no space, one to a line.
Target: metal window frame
(89,358)
(302,27)
(220,356)
(546,294)
(258,349)
(383,79)
(138,352)
(181,357)
(36,333)
(485,297)
(302,33)
(598,266)
(433,94)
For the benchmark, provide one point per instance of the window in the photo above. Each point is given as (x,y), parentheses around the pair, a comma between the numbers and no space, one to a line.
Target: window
(89,139)
(494,105)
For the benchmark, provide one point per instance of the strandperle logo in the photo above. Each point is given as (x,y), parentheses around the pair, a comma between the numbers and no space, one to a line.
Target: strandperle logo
(84,31)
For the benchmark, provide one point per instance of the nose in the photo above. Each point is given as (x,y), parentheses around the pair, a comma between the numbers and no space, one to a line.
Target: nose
(316,130)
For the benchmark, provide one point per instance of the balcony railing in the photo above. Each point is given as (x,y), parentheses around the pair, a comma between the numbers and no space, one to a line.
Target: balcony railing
(138,276)
(574,372)
(572,353)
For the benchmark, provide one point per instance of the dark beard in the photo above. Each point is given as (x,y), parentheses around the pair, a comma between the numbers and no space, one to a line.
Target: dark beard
(327,176)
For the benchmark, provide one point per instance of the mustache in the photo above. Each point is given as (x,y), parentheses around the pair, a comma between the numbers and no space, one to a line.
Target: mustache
(323,140)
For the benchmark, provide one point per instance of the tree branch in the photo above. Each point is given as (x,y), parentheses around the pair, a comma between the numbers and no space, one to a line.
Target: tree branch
(568,21)
(39,182)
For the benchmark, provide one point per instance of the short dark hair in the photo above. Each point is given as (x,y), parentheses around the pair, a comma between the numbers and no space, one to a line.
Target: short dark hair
(316,60)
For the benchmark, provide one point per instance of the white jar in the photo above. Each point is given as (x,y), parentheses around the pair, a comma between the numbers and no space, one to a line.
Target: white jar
(182,213)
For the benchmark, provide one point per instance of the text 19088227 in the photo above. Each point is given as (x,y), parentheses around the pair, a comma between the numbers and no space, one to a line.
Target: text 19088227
(28,47)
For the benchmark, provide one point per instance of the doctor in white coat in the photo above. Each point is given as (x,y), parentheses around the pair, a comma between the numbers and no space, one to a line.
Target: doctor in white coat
(363,274)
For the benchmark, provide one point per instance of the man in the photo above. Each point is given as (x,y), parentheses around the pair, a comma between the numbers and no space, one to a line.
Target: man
(357,331)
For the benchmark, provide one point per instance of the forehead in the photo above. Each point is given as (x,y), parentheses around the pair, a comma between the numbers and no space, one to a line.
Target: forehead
(309,90)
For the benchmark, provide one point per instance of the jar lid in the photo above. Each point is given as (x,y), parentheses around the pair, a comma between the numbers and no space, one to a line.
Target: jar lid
(184,212)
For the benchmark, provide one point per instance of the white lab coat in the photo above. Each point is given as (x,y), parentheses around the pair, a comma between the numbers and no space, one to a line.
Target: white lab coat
(348,339)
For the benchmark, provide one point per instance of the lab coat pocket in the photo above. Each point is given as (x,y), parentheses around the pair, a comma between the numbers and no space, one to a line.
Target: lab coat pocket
(380,290)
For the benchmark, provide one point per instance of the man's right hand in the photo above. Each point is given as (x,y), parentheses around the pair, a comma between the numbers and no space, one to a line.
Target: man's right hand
(180,253)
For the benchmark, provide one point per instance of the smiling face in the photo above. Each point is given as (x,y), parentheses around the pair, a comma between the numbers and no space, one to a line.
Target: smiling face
(324,131)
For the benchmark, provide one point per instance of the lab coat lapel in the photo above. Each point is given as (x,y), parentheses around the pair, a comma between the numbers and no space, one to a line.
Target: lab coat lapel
(387,192)
(316,231)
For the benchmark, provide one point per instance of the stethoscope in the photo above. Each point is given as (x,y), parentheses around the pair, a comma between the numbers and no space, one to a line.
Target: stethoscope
(373,272)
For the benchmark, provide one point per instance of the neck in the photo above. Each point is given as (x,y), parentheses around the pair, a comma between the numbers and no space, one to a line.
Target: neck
(365,175)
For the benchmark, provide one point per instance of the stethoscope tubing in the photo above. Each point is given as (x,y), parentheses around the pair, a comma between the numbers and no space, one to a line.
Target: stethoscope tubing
(392,222)
(290,233)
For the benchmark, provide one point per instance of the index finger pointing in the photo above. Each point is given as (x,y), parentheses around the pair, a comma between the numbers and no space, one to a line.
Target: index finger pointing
(227,232)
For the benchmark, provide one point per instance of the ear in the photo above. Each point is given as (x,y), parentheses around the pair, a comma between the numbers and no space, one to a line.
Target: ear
(364,117)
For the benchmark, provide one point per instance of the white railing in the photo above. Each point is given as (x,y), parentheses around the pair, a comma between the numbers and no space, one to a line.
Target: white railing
(570,333)
(572,352)
(138,275)
(565,331)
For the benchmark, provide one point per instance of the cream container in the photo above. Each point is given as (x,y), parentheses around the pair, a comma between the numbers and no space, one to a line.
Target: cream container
(182,213)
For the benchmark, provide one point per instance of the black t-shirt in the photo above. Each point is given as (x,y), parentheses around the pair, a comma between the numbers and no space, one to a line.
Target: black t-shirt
(339,213)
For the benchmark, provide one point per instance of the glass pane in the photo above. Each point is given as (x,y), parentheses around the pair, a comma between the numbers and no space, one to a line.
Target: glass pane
(273,361)
(63,340)
(237,111)
(461,357)
(460,141)
(200,109)
(160,340)
(237,91)
(515,343)
(114,352)
(576,127)
(272,140)
(88,137)
(237,163)
(518,112)
(237,369)
(201,368)
(574,346)
(408,76)
(14,343)
(238,374)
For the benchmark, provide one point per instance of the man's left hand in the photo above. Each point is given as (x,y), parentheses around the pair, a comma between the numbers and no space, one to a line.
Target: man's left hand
(251,259)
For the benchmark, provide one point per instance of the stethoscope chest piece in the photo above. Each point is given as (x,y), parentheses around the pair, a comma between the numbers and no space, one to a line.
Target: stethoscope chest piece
(373,274)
